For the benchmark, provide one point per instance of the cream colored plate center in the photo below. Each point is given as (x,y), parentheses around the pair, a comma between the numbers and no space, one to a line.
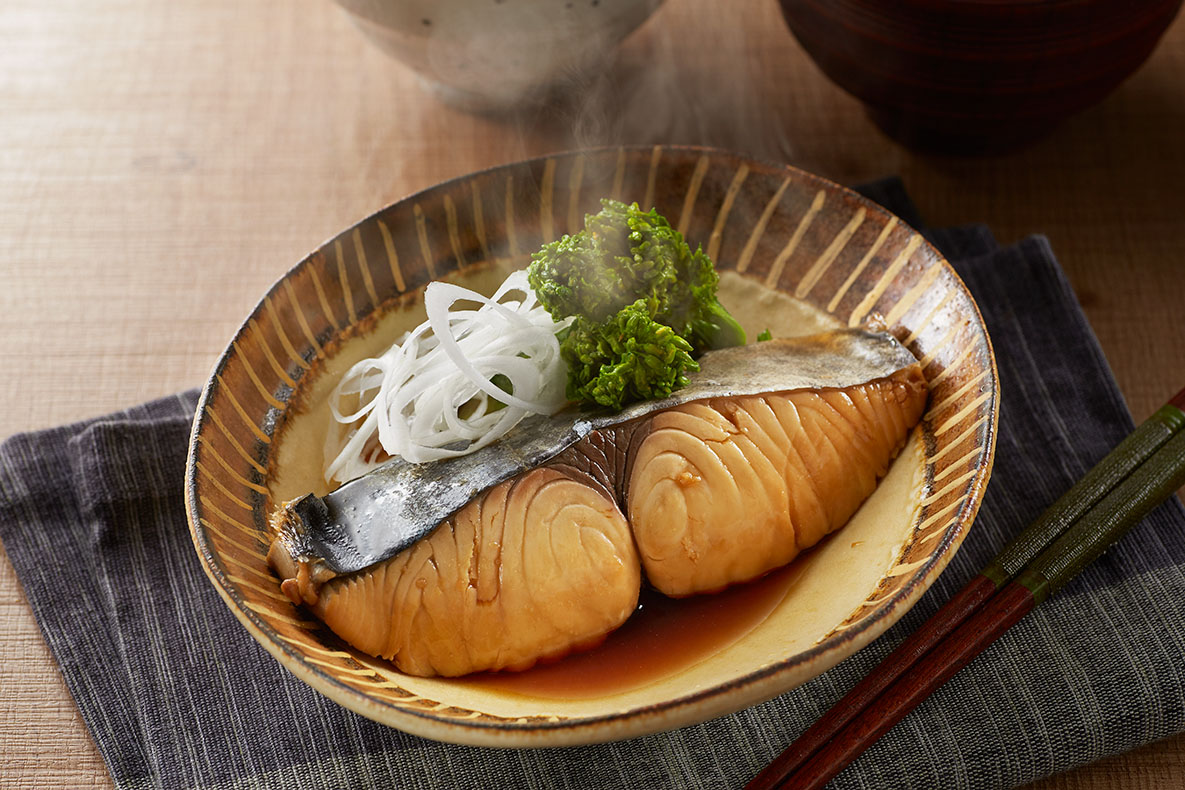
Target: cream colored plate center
(827,585)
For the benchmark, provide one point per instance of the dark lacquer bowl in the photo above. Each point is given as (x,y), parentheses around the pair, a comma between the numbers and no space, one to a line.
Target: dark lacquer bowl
(977,76)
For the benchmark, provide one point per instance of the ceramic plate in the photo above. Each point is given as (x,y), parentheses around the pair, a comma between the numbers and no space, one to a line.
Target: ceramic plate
(792,248)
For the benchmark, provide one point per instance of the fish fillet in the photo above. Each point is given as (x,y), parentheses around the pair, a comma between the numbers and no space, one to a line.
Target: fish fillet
(718,488)
(503,583)
(724,490)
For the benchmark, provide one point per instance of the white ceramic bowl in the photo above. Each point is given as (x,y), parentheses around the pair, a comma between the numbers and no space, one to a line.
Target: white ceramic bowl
(494,54)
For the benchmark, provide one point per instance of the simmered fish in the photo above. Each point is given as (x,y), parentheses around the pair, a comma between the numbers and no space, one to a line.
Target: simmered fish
(722,491)
(500,585)
(523,551)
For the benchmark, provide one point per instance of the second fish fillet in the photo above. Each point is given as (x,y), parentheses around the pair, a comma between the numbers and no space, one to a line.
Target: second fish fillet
(724,490)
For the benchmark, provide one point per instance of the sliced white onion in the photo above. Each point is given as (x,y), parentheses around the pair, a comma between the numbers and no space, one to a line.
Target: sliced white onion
(409,400)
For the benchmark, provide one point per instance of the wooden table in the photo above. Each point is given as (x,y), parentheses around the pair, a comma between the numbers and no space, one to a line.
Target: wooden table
(161,164)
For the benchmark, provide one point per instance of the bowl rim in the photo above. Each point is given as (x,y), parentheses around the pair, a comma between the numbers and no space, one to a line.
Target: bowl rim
(761,684)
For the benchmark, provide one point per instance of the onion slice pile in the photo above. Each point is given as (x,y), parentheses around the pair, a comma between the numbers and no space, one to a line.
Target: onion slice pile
(432,395)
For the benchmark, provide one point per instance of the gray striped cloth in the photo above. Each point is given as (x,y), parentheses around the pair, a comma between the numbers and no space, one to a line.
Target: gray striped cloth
(177,694)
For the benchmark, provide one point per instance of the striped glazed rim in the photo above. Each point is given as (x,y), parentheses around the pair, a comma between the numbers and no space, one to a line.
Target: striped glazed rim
(791,230)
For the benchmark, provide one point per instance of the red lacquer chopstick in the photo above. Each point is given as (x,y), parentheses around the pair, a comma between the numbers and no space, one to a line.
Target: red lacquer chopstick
(1143,443)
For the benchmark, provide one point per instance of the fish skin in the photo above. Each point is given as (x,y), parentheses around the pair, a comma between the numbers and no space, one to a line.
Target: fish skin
(382,513)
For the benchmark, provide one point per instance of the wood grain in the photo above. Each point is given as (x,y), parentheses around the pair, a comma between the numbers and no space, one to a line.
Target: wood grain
(161,164)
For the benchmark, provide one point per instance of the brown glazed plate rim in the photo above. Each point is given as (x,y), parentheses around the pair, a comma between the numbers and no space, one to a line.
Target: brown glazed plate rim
(547,730)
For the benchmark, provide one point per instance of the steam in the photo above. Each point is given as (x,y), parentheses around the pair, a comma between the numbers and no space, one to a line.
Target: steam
(660,90)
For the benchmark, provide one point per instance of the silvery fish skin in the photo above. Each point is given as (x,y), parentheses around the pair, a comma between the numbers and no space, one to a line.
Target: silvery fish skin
(382,513)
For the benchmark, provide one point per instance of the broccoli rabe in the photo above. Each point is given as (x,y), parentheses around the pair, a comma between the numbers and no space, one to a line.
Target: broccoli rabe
(644,305)
(628,357)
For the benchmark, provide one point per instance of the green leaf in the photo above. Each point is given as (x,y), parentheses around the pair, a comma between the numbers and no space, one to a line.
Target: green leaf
(644,305)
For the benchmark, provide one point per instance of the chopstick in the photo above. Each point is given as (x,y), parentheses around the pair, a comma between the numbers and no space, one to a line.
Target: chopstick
(1142,471)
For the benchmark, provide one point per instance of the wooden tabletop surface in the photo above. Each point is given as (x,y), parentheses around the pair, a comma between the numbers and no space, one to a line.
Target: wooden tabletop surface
(161,164)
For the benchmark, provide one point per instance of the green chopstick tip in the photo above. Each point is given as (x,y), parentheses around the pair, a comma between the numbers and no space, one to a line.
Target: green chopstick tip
(1036,583)
(1171,416)
(996,573)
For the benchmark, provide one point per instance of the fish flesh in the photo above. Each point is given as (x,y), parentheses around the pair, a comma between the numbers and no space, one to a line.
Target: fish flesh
(383,512)
(536,545)
(501,584)
(722,491)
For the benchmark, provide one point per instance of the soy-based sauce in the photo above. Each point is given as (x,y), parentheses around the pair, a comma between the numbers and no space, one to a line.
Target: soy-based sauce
(663,636)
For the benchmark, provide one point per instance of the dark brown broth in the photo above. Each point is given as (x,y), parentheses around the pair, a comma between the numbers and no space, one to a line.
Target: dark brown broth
(663,636)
